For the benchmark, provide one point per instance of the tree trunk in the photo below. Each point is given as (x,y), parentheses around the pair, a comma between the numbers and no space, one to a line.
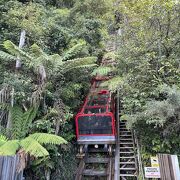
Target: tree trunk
(47,174)
(21,44)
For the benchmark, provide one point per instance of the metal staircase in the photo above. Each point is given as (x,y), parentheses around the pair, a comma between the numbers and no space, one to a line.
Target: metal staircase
(127,153)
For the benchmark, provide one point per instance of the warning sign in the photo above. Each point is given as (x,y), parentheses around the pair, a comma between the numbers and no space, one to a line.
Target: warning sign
(154,161)
(152,172)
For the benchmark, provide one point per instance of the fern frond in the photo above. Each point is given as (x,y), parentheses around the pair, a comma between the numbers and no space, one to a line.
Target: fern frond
(9,148)
(102,71)
(114,83)
(16,51)
(72,52)
(44,138)
(27,117)
(3,140)
(110,55)
(6,57)
(36,50)
(34,148)
(79,62)
(17,120)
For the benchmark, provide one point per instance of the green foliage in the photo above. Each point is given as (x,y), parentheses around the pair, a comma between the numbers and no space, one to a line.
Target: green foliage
(114,83)
(31,144)
(21,122)
(3,140)
(34,148)
(9,148)
(62,41)
(80,63)
(74,51)
(44,138)
(102,71)
(148,51)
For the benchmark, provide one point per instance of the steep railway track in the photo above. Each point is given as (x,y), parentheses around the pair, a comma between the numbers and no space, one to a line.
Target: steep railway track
(96,165)
(121,163)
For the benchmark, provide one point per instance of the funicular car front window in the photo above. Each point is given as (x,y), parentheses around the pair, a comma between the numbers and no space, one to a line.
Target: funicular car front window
(95,125)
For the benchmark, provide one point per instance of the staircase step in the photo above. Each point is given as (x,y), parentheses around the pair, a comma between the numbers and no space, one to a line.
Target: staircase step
(92,172)
(127,163)
(127,152)
(127,147)
(126,139)
(125,135)
(97,160)
(126,143)
(122,126)
(127,175)
(128,169)
(125,157)
(123,120)
(123,129)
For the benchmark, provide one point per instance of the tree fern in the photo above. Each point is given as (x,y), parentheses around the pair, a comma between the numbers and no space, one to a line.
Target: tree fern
(27,117)
(114,83)
(21,121)
(102,71)
(74,51)
(9,148)
(44,138)
(36,50)
(34,148)
(16,51)
(31,144)
(79,63)
(6,57)
(17,120)
(3,140)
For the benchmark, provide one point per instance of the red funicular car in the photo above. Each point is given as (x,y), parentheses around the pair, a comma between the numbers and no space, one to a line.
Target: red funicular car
(95,123)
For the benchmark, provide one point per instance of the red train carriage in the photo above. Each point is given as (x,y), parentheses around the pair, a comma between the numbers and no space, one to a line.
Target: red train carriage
(95,123)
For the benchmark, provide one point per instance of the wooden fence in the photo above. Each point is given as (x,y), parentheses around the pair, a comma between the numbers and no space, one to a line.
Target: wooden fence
(8,168)
(169,167)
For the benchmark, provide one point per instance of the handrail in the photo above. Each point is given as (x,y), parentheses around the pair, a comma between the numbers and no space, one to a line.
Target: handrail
(116,174)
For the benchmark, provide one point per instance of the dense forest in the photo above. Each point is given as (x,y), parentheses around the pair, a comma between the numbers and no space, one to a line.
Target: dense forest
(49,51)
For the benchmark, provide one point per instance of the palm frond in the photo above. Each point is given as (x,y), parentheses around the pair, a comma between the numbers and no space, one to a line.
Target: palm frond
(44,138)
(9,148)
(34,148)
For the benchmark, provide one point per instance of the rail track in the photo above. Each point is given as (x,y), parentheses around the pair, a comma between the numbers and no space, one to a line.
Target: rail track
(117,163)
(96,164)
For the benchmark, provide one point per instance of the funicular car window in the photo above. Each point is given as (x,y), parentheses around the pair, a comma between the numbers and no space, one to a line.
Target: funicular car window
(100,99)
(95,110)
(96,102)
(95,125)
